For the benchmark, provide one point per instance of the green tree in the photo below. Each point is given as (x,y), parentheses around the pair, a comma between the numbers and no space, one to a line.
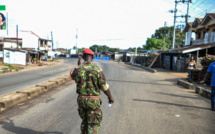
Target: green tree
(157,39)
(103,48)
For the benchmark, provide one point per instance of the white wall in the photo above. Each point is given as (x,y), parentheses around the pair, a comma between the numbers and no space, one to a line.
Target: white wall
(14,57)
(29,40)
(10,44)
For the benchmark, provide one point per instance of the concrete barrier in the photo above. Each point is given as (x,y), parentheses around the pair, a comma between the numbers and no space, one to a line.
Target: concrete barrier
(32,91)
(204,92)
(199,90)
(65,77)
(185,84)
(58,81)
(47,85)
(20,96)
(11,100)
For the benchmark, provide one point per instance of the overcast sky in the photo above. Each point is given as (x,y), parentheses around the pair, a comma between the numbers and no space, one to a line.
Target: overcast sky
(116,23)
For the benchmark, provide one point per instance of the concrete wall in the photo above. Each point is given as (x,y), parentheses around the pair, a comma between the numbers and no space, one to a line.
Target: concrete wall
(29,40)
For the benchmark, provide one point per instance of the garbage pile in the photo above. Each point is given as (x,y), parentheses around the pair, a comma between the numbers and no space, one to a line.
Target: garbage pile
(205,62)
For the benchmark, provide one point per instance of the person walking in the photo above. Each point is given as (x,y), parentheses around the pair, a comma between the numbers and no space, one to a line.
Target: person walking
(90,82)
(191,65)
(211,69)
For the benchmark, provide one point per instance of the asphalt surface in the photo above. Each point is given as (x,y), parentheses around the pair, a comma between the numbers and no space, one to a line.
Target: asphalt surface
(16,81)
(145,103)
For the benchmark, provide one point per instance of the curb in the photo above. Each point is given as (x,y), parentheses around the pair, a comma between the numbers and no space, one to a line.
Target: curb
(47,85)
(32,91)
(199,90)
(185,84)
(203,92)
(12,99)
(146,68)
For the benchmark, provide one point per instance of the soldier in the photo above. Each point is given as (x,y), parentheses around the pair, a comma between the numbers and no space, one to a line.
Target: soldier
(90,81)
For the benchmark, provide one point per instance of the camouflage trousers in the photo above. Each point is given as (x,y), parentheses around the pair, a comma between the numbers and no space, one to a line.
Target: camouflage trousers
(90,112)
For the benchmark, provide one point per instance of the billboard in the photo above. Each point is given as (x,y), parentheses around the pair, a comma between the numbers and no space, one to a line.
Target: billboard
(3,20)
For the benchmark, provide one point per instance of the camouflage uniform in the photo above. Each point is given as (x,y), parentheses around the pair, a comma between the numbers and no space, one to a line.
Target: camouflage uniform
(90,81)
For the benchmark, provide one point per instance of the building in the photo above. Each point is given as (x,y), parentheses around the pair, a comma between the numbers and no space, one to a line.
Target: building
(34,41)
(199,41)
(9,42)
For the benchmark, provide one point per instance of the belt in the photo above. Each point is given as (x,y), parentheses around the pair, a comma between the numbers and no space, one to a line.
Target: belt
(89,96)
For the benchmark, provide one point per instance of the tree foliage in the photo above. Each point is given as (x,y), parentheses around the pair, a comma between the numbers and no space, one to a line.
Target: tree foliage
(156,42)
(103,48)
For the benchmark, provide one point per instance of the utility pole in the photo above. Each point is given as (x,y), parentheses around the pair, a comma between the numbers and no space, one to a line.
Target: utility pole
(7,22)
(173,39)
(76,41)
(187,15)
(52,40)
(17,40)
(186,18)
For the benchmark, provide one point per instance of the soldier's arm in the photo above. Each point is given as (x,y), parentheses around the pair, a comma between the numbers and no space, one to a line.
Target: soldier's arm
(104,86)
(110,98)
(73,73)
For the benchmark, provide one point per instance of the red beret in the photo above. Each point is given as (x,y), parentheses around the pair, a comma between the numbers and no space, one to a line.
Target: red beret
(71,71)
(88,51)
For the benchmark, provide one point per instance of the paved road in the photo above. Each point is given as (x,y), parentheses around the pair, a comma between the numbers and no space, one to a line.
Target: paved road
(144,103)
(16,81)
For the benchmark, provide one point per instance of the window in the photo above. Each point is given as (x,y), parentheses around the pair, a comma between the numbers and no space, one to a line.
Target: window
(199,35)
(1,47)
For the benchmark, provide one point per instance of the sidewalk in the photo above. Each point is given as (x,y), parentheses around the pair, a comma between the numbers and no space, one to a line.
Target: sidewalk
(181,76)
(33,67)
(175,76)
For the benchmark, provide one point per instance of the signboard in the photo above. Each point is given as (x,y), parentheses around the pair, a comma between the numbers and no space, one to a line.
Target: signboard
(3,20)
(2,8)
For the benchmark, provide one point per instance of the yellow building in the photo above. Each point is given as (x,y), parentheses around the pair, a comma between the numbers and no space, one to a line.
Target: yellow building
(201,31)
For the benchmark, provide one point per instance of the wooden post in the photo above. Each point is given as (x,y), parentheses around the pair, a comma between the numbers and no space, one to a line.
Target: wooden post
(197,59)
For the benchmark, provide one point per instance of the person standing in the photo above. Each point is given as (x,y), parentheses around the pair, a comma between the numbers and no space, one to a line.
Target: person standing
(211,69)
(90,82)
(191,65)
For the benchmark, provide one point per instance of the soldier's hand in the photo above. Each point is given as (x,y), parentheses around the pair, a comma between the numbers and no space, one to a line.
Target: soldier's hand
(111,100)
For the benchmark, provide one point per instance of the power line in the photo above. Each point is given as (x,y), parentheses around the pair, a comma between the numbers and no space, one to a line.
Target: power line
(204,12)
(199,5)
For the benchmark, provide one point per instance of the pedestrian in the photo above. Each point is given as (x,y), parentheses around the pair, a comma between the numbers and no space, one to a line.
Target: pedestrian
(211,69)
(90,81)
(79,60)
(191,65)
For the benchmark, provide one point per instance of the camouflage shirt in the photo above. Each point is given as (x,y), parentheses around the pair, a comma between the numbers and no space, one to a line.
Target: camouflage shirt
(90,79)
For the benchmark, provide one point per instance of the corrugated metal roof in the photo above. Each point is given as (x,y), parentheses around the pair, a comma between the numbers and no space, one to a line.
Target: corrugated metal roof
(188,49)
